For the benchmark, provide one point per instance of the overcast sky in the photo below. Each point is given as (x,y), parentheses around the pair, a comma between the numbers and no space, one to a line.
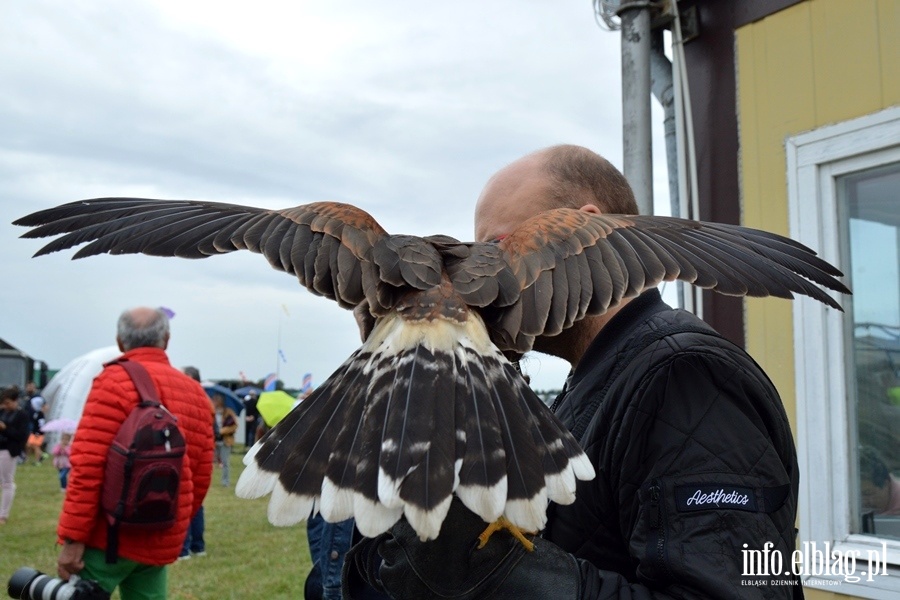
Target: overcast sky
(402,108)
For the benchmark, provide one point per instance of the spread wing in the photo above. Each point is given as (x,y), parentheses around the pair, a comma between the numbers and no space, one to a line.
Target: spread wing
(335,250)
(564,264)
(553,270)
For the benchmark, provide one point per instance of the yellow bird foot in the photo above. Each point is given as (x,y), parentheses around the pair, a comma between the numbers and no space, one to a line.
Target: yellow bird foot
(503,523)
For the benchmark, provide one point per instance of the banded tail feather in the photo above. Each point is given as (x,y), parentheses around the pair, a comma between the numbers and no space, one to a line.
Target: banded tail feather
(423,410)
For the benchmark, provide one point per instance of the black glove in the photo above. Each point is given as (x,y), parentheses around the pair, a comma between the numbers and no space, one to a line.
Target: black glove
(359,575)
(453,567)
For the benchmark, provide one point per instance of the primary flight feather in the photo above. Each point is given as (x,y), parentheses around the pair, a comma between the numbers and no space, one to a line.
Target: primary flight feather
(429,407)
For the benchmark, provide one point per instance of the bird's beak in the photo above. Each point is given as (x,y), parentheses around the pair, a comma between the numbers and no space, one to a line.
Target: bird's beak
(514,358)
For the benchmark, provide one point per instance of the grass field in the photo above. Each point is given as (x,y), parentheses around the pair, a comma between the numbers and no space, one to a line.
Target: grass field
(247,558)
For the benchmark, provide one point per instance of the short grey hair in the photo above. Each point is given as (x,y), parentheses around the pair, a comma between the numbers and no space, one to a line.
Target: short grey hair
(581,175)
(150,332)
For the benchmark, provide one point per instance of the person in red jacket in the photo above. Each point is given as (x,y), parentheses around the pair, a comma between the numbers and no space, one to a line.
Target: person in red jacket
(140,572)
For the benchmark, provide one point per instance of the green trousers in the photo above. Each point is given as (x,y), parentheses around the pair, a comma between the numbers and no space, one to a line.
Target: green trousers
(134,580)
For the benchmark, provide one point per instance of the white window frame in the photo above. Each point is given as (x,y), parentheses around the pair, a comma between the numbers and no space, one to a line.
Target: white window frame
(814,160)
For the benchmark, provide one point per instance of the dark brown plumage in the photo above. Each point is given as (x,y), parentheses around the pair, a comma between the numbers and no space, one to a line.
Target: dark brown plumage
(555,269)
(429,406)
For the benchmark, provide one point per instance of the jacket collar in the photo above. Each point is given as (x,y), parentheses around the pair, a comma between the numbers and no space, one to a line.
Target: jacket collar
(617,331)
(147,354)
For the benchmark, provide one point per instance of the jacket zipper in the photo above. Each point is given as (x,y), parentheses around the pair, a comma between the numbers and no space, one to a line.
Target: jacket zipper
(658,524)
(556,402)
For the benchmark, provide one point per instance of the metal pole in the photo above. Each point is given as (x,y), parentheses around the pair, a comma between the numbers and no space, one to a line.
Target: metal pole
(663,85)
(664,91)
(637,151)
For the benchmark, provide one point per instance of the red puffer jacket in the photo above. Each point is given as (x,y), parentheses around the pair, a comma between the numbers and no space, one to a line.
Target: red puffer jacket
(112,397)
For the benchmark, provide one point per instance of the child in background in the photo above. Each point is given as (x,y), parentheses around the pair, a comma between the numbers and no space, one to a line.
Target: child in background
(33,448)
(61,459)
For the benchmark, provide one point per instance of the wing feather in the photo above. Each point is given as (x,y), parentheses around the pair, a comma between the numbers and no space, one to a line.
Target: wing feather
(603,259)
(559,302)
(327,245)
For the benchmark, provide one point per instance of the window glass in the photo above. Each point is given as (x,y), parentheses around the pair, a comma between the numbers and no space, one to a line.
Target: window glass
(870,201)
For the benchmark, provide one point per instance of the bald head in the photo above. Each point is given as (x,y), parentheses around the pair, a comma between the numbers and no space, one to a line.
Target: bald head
(556,177)
(564,176)
(142,327)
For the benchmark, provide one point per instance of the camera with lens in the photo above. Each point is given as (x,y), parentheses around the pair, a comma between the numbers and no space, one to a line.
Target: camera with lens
(28,584)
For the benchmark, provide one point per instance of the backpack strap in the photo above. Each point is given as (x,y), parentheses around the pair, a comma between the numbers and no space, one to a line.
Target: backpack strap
(141,378)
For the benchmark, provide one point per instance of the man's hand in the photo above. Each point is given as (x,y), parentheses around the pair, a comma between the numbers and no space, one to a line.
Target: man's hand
(69,562)
(452,566)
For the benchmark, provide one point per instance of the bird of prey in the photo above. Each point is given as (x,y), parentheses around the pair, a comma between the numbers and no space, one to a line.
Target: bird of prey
(429,406)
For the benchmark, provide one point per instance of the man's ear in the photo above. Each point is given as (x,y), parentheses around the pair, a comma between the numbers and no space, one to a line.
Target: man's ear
(591,208)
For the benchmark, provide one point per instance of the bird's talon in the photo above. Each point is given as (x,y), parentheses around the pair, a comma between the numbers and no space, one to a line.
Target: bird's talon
(503,523)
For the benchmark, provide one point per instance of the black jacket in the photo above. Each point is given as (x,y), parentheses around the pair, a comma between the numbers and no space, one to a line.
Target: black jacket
(15,435)
(694,457)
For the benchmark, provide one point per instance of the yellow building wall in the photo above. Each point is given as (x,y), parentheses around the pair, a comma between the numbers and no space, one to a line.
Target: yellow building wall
(813,64)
